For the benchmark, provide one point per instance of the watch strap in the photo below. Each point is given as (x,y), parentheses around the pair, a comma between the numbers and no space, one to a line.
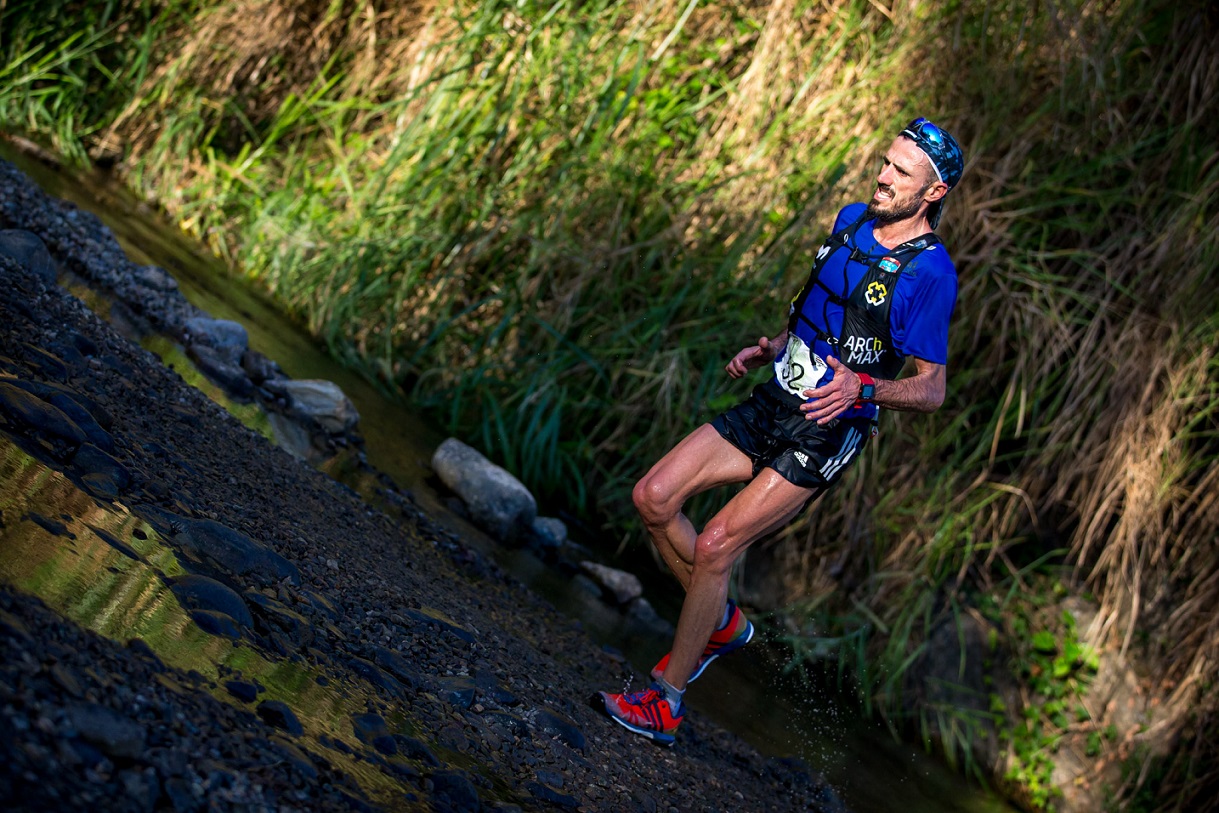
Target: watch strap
(867,389)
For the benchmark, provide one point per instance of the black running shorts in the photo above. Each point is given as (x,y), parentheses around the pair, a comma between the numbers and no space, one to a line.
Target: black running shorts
(771,430)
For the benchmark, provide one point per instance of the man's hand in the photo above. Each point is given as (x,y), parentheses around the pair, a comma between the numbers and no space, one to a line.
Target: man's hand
(751,358)
(836,397)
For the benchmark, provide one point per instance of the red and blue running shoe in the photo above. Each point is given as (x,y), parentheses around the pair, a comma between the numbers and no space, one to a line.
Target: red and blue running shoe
(735,634)
(646,713)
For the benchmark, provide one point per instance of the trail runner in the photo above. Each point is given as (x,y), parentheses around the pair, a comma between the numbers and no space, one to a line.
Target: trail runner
(882,289)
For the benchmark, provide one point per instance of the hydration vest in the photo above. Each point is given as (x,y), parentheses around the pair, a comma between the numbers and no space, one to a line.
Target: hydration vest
(865,343)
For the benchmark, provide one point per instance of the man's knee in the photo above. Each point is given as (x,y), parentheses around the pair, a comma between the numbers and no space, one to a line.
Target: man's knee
(653,501)
(716,549)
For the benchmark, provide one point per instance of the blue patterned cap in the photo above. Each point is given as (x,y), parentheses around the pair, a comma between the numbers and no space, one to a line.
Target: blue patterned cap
(939,145)
(945,155)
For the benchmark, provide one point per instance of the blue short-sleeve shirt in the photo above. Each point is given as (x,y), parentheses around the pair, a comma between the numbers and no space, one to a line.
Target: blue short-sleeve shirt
(923,300)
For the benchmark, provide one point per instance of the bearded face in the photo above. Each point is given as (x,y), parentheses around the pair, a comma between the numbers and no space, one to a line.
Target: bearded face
(904,180)
(888,206)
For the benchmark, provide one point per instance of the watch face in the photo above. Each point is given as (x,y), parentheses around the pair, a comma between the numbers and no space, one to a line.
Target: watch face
(866,392)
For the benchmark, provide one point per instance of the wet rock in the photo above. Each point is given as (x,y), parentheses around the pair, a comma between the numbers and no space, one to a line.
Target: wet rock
(28,250)
(214,623)
(489,686)
(23,411)
(295,757)
(233,552)
(618,585)
(549,533)
(243,690)
(320,603)
(295,438)
(498,502)
(368,727)
(412,748)
(100,474)
(453,738)
(550,796)
(455,790)
(227,338)
(277,617)
(552,778)
(556,725)
(375,676)
(322,402)
(396,665)
(46,364)
(88,416)
(457,691)
(196,592)
(115,735)
(385,744)
(258,368)
(278,714)
(213,363)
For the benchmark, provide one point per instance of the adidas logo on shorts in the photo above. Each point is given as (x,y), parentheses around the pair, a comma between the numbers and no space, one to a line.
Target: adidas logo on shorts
(802,457)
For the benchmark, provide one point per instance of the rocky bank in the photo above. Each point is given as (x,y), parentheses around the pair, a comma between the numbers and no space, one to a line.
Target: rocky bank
(476,690)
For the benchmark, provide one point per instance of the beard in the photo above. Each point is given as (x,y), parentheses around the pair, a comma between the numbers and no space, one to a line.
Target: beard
(894,210)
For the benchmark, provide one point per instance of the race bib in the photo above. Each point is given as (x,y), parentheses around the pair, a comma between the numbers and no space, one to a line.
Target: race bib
(799,368)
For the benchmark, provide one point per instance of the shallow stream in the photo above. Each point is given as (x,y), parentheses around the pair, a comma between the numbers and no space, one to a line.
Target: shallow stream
(73,560)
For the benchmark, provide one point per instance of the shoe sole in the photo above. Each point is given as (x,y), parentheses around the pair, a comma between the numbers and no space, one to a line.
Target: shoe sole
(726,649)
(658,737)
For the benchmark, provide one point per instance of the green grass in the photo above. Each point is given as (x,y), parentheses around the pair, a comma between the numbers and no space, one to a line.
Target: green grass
(551,224)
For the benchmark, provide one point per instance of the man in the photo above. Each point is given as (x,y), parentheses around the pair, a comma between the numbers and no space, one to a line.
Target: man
(882,289)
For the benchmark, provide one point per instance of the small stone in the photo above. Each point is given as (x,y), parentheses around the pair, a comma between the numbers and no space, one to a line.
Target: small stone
(278,714)
(114,734)
(620,586)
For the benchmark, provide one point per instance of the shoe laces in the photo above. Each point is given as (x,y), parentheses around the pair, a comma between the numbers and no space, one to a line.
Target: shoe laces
(643,698)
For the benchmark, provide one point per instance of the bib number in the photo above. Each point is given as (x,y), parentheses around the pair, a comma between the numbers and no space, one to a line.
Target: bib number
(799,369)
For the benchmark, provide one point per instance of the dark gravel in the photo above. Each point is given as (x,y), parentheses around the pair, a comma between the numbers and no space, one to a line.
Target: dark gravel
(478,687)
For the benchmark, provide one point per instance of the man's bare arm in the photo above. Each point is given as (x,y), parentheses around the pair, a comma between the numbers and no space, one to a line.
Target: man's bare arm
(922,392)
(755,356)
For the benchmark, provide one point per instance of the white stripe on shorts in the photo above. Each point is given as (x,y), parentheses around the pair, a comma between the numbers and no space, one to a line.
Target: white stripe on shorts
(850,445)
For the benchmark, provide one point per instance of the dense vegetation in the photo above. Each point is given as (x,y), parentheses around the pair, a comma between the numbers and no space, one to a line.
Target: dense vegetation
(551,224)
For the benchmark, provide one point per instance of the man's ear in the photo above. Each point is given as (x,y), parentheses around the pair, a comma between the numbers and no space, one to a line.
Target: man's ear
(935,192)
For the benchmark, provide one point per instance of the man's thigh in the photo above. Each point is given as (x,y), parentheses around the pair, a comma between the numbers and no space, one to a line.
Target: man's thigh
(769,502)
(701,461)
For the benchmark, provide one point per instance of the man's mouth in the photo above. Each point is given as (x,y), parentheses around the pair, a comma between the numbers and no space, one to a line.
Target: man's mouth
(883,193)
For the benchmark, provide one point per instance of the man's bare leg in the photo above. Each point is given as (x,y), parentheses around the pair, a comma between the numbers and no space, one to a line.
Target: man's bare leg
(701,461)
(767,503)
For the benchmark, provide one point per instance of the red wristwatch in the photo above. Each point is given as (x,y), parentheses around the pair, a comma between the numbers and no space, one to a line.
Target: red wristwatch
(867,389)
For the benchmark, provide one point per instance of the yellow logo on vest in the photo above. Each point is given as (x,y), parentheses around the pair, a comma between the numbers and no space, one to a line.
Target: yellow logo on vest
(876,293)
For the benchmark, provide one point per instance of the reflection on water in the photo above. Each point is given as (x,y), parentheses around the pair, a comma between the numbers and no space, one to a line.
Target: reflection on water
(106,569)
(744,694)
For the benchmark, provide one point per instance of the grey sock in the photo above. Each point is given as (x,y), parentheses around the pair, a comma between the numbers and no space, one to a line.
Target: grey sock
(673,695)
(727,616)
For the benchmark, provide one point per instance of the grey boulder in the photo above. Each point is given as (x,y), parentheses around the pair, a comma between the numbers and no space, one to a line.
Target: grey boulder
(498,502)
